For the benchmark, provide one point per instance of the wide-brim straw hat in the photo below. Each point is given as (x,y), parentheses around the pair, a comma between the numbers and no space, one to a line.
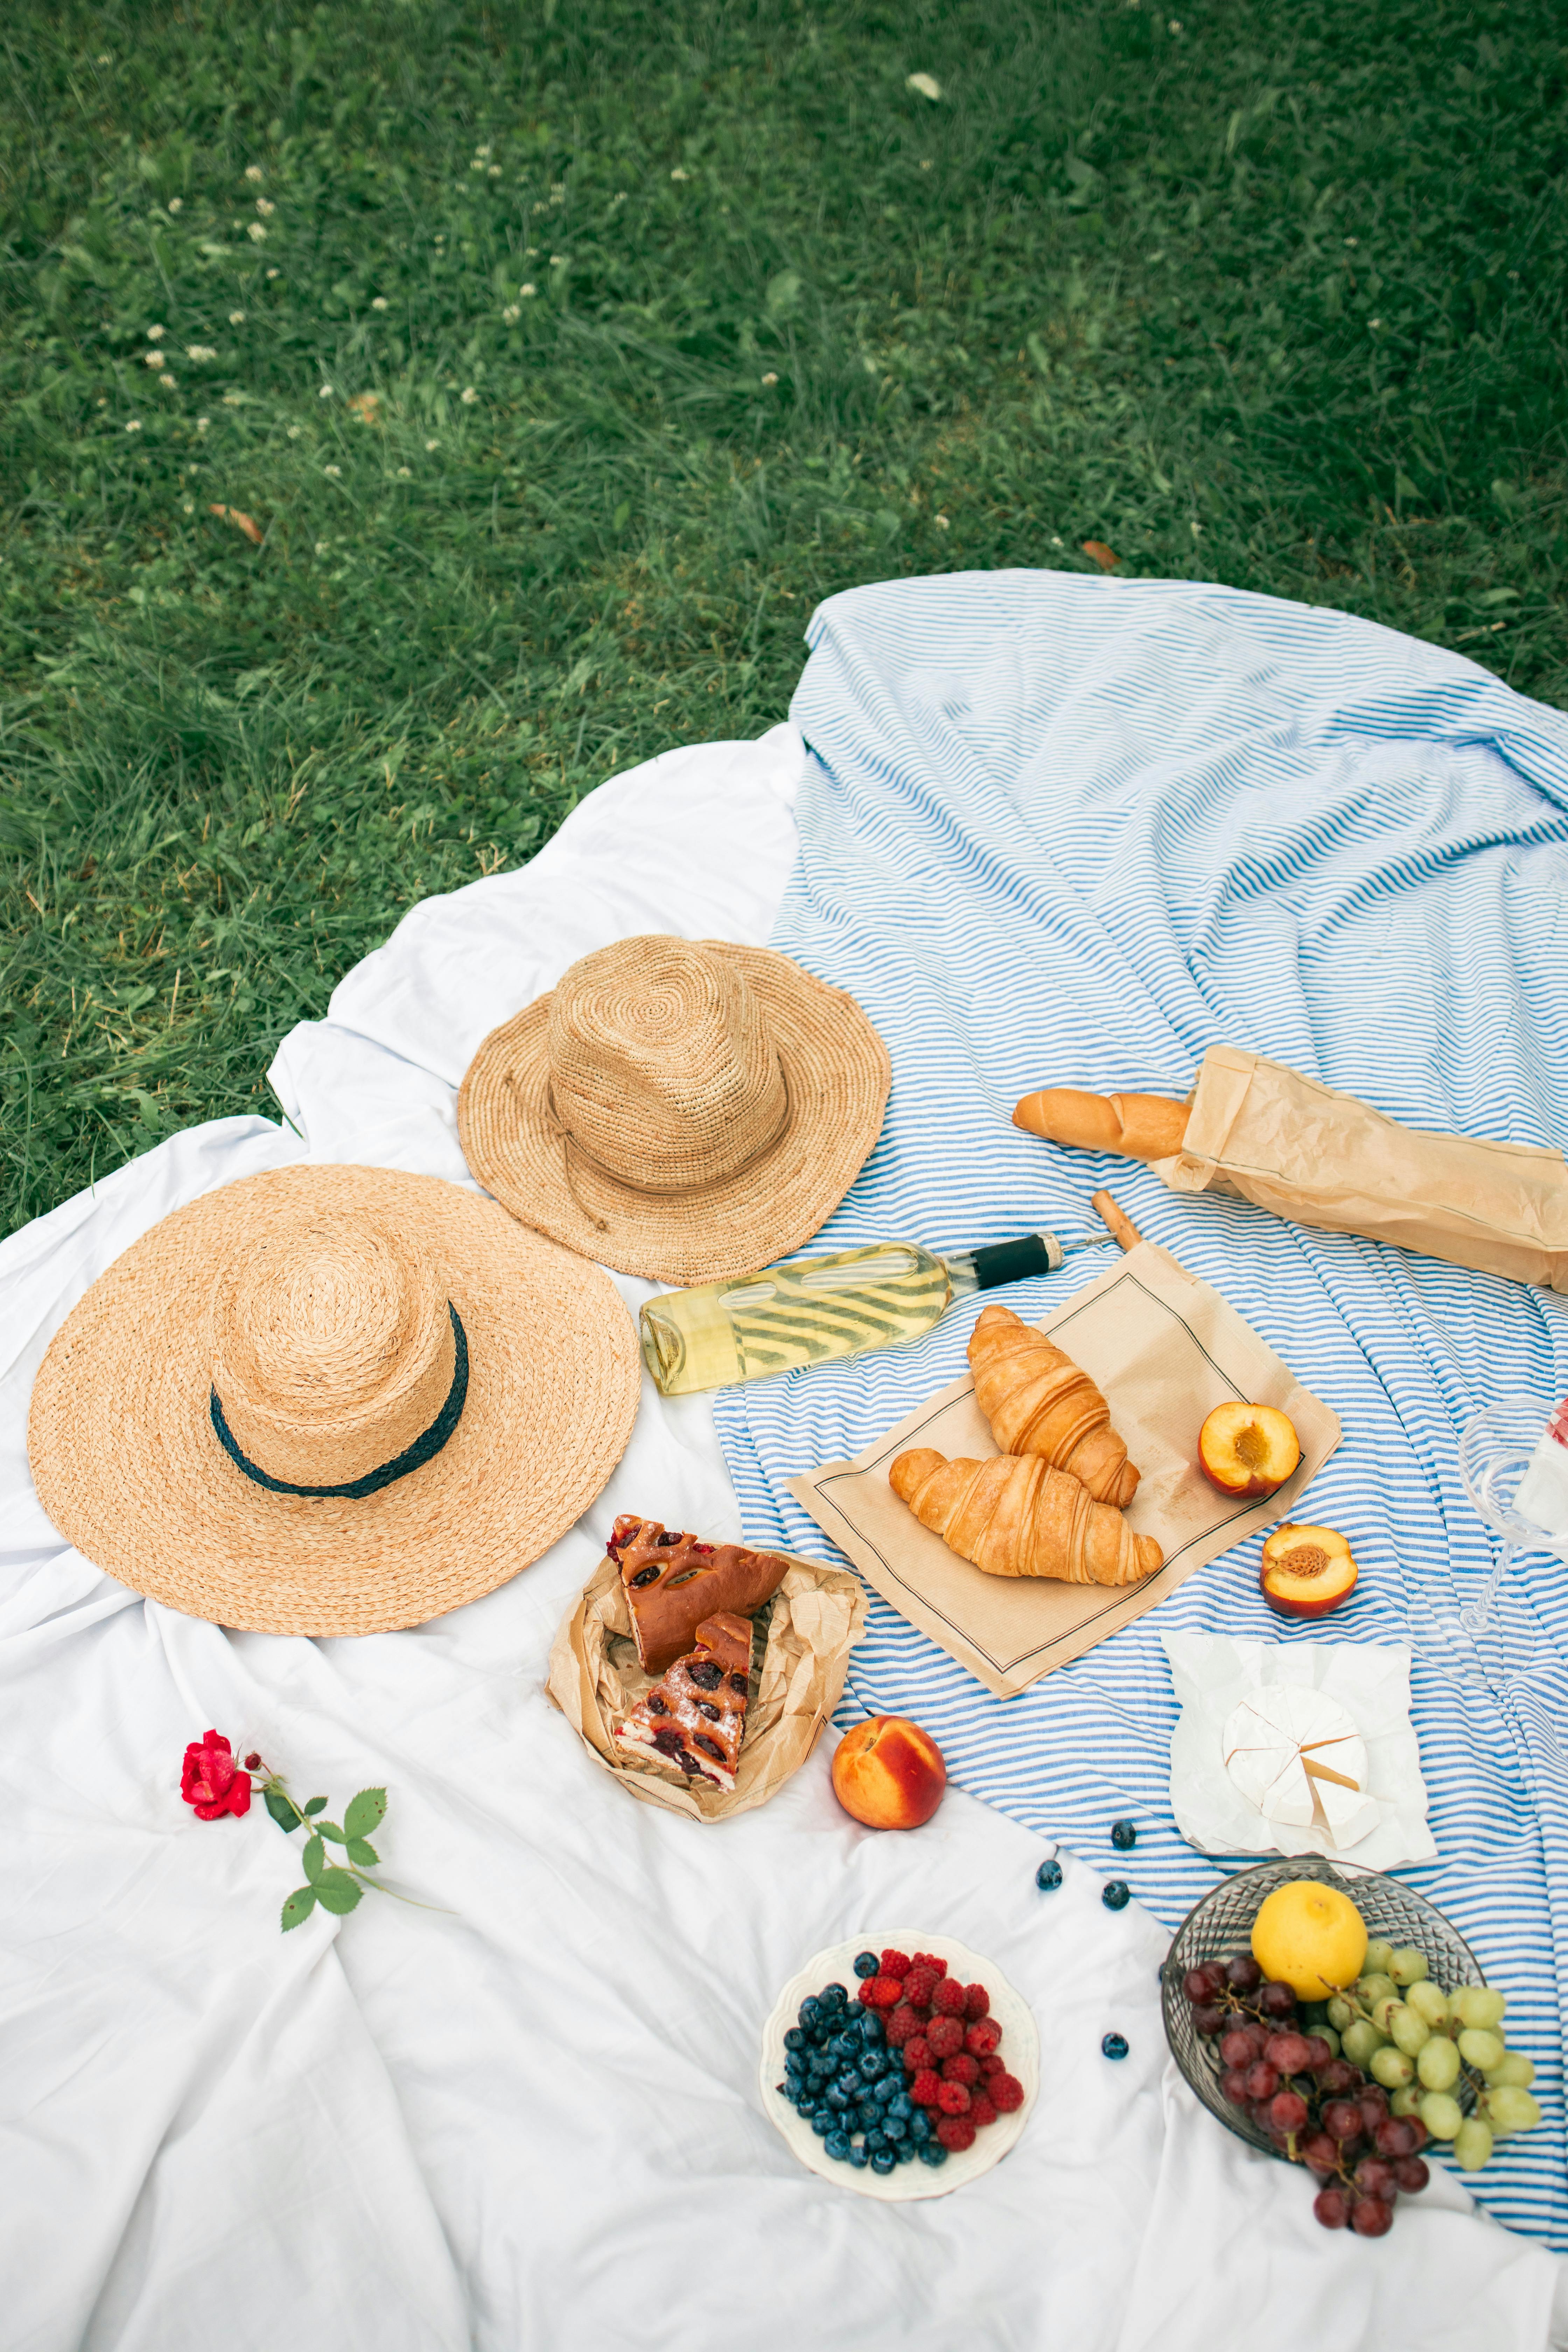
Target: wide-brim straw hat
(331,1399)
(684,1110)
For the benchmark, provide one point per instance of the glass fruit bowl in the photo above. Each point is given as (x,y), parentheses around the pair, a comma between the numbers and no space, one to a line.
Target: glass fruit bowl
(1222,1924)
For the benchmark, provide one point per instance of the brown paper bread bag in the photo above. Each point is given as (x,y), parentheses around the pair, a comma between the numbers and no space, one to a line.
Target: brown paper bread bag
(1302,1150)
(1166,1348)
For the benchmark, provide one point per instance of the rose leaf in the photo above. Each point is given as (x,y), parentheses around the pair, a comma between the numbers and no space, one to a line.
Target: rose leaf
(299,1905)
(366,1812)
(283,1810)
(362,1851)
(336,1891)
(315,1859)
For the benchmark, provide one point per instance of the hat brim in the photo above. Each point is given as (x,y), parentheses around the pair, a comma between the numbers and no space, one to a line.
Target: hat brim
(127,1464)
(836,1074)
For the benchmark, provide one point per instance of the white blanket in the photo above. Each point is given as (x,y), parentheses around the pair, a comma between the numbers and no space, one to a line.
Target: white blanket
(531,2117)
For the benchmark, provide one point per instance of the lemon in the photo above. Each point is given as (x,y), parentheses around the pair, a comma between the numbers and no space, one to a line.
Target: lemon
(1310,1937)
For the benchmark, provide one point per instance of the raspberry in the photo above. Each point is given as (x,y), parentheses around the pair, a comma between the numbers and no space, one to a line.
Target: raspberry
(883,1992)
(917,2053)
(976,2002)
(1005,2093)
(902,2026)
(896,1964)
(961,2068)
(944,2036)
(982,2037)
(929,1960)
(981,2111)
(863,1990)
(920,1984)
(926,2088)
(992,2066)
(953,2099)
(957,2133)
(948,1998)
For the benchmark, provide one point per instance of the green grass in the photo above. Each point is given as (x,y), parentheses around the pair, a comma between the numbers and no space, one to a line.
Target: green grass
(677,320)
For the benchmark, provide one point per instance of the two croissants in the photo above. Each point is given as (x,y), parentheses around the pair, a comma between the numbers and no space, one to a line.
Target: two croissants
(1050,1503)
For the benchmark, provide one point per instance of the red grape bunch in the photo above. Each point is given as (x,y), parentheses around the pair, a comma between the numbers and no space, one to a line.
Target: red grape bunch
(1318,2108)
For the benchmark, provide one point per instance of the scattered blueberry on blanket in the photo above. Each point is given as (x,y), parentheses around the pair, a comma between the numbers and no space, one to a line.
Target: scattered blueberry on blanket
(1114,2046)
(1123,1835)
(866,1964)
(1049,1877)
(1116,1894)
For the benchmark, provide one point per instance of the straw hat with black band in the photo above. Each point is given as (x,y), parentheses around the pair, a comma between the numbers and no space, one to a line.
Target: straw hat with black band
(685,1109)
(331,1399)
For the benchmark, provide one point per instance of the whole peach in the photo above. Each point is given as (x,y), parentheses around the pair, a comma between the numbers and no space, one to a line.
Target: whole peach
(889,1773)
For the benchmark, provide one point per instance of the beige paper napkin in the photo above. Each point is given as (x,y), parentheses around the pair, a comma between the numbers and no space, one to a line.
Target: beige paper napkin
(1164,1348)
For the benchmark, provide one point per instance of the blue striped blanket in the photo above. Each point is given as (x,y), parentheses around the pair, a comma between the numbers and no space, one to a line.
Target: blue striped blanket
(1066,830)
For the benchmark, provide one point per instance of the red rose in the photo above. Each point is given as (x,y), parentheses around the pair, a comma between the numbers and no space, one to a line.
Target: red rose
(210,1780)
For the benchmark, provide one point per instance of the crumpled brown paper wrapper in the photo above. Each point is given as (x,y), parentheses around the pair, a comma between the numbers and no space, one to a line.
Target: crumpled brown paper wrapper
(1289,1144)
(1165,1350)
(805,1634)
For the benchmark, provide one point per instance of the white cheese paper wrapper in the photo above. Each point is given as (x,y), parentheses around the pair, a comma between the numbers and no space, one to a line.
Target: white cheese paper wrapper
(1211,1674)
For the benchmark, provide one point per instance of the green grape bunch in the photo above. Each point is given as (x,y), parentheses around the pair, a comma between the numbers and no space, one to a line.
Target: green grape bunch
(1421,2043)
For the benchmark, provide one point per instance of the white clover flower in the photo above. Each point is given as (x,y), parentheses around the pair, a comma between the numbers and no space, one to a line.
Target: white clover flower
(234,400)
(529,251)
(478,163)
(484,153)
(1175,24)
(200,351)
(134,425)
(405,473)
(272,273)
(1197,531)
(256,233)
(105,60)
(325,393)
(176,204)
(512,314)
(166,381)
(679,174)
(1055,541)
(495,170)
(467,396)
(927,85)
(432,445)
(264,209)
(253,172)
(237,318)
(378,302)
(525,290)
(295,431)
(557,191)
(333,473)
(925,162)
(771,377)
(558,261)
(156,335)
(201,424)
(942,522)
(1352,240)
(323,547)
(154,359)
(188,507)
(619,197)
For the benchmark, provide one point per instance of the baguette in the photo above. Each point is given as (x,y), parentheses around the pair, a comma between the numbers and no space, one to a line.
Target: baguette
(1139,1127)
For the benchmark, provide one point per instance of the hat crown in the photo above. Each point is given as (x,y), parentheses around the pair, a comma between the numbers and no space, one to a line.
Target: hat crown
(662,1067)
(331,1349)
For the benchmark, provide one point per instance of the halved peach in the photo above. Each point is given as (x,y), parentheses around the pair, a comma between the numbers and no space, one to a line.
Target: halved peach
(1247,1449)
(1307,1571)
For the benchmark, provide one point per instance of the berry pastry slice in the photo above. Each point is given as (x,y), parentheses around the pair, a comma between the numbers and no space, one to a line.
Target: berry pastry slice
(693,1721)
(673,1583)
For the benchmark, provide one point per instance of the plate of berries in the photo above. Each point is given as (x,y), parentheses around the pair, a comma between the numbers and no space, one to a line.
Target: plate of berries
(899,2068)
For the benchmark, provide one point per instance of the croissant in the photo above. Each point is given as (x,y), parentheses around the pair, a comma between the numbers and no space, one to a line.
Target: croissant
(1037,1400)
(1015,1515)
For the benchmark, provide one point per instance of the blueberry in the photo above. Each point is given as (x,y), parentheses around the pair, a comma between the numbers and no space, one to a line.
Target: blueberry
(837,2146)
(833,1995)
(848,2044)
(1124,1835)
(883,2160)
(1048,1878)
(873,2064)
(901,2106)
(932,2152)
(1116,1894)
(920,2125)
(836,2098)
(849,2083)
(878,2142)
(823,2122)
(866,1964)
(906,2151)
(870,2117)
(810,2010)
(894,2128)
(860,2155)
(871,2029)
(1114,2046)
(794,2039)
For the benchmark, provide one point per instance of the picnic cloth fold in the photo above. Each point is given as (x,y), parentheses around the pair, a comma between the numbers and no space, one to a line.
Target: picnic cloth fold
(1082,830)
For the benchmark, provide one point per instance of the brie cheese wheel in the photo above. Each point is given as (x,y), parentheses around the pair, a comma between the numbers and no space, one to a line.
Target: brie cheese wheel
(1295,1754)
